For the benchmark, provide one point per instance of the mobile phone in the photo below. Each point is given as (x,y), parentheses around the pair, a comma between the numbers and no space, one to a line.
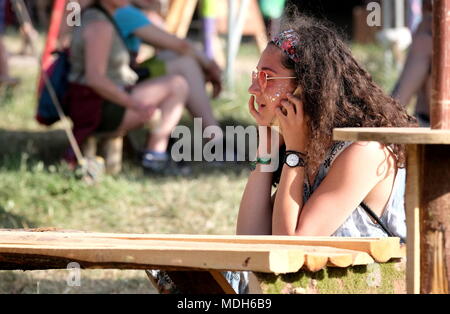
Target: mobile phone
(297,92)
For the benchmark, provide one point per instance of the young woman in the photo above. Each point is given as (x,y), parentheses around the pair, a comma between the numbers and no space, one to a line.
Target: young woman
(324,188)
(103,94)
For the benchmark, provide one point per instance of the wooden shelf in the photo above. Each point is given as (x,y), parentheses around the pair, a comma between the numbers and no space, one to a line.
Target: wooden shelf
(393,135)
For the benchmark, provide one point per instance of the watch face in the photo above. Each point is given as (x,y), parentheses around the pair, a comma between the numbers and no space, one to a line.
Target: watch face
(292,160)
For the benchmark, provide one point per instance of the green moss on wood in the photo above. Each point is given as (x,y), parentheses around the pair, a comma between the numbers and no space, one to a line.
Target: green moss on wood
(385,278)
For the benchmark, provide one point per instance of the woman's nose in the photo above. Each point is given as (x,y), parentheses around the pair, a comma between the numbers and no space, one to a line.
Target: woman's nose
(254,88)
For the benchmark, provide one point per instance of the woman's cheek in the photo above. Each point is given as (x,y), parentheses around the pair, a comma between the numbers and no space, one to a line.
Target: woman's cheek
(280,93)
(275,99)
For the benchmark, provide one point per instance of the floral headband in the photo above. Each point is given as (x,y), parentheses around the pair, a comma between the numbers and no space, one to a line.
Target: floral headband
(287,41)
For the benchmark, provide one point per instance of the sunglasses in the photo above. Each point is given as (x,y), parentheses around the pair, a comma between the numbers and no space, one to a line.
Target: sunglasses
(263,77)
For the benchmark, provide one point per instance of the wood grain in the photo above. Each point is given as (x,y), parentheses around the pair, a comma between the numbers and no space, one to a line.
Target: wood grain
(318,251)
(393,135)
(412,204)
(200,256)
(381,249)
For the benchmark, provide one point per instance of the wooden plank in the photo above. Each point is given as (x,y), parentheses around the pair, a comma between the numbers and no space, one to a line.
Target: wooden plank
(412,203)
(221,256)
(180,16)
(174,15)
(381,249)
(186,18)
(315,261)
(317,257)
(222,282)
(393,135)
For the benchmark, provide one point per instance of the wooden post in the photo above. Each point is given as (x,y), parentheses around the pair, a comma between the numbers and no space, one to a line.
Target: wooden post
(412,208)
(112,151)
(428,187)
(435,220)
(440,95)
(435,196)
(89,147)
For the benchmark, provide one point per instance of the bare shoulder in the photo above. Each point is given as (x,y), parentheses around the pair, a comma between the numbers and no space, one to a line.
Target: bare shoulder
(367,157)
(369,149)
(99,27)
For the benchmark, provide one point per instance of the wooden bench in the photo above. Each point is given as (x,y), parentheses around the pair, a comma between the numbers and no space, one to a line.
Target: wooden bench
(279,264)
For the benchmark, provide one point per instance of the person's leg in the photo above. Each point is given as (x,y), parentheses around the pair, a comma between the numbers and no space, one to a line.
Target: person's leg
(5,79)
(198,102)
(168,94)
(41,7)
(3,60)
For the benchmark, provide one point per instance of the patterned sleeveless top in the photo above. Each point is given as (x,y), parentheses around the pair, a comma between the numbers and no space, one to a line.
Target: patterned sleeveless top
(359,223)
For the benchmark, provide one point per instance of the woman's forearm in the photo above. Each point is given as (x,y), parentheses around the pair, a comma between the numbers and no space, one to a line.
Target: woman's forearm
(201,58)
(288,201)
(255,211)
(110,91)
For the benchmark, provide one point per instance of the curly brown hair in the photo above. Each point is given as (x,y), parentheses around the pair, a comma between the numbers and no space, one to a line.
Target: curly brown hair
(337,91)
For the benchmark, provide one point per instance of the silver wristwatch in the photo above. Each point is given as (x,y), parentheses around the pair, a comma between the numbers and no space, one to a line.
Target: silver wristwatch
(294,159)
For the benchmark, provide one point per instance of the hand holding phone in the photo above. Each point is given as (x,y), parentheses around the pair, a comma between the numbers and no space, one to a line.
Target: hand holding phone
(275,122)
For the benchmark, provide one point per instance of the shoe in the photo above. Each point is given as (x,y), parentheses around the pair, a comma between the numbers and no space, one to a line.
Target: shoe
(155,162)
(160,164)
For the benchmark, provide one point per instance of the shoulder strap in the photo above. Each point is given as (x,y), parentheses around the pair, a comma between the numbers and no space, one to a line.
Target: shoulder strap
(113,22)
(378,220)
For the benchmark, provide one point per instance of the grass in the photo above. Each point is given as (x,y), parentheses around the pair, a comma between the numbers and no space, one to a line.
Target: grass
(36,190)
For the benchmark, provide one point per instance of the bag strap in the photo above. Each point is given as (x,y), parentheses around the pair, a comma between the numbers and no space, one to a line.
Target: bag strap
(113,22)
(378,220)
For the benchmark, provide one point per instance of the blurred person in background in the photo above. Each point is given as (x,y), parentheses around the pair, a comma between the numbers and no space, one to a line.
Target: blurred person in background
(415,79)
(5,78)
(174,56)
(104,95)
(43,8)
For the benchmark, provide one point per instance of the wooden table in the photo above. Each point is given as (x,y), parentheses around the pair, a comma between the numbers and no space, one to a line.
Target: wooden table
(427,195)
(195,262)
